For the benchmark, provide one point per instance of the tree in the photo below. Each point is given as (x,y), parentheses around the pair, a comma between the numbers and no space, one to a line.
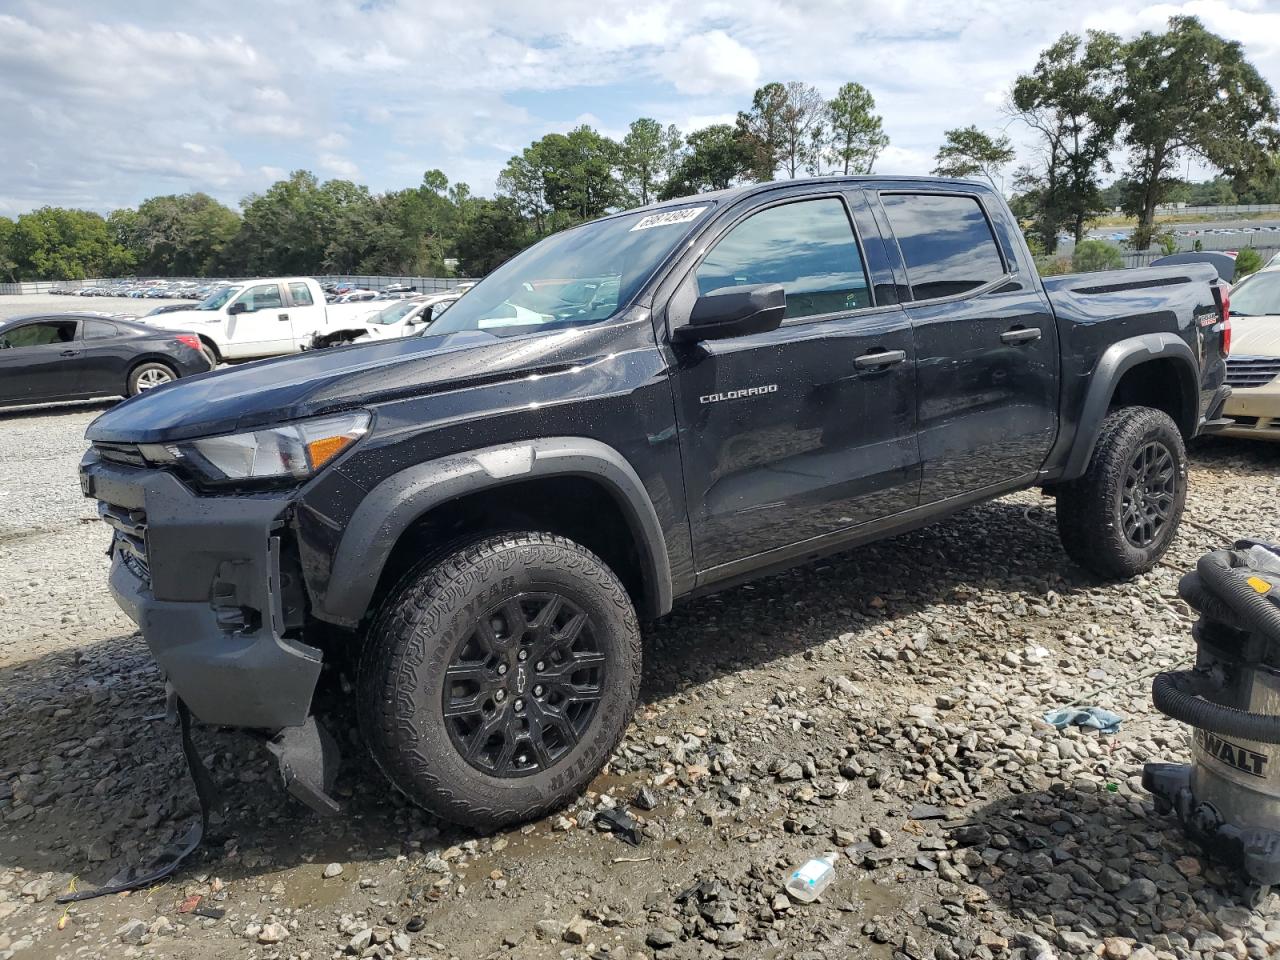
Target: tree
(564,179)
(1090,256)
(1069,99)
(760,130)
(854,133)
(969,152)
(1248,261)
(491,232)
(54,243)
(716,158)
(185,235)
(8,266)
(299,226)
(648,158)
(1190,92)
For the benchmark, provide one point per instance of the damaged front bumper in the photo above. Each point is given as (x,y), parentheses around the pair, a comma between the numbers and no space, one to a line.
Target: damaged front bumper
(207,579)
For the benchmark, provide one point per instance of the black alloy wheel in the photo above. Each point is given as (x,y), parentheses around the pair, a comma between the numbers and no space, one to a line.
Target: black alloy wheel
(1150,490)
(524,685)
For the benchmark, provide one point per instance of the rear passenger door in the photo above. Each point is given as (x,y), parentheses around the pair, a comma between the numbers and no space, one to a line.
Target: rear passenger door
(306,312)
(986,345)
(803,431)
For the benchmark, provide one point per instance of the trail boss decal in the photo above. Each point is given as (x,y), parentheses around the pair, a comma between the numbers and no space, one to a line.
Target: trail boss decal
(738,394)
(1232,754)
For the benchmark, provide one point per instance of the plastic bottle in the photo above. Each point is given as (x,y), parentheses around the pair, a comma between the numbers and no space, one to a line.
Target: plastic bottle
(807,882)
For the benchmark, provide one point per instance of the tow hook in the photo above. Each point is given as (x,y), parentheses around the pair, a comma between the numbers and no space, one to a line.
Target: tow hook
(309,759)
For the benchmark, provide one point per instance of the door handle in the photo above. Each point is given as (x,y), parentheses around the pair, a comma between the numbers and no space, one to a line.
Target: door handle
(69,353)
(1020,335)
(880,358)
(285,316)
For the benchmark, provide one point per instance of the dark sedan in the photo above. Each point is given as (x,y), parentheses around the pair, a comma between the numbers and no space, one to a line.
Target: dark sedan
(49,358)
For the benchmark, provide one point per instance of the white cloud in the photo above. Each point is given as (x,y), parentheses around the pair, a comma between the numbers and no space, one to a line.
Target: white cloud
(711,62)
(338,166)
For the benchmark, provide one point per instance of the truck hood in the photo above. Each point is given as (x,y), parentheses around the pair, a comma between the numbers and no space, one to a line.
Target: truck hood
(270,392)
(1255,336)
(182,319)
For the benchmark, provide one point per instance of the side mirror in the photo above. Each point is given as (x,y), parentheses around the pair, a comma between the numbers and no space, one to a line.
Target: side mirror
(238,307)
(734,312)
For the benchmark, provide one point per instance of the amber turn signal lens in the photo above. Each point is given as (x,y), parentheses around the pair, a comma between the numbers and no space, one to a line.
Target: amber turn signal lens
(326,448)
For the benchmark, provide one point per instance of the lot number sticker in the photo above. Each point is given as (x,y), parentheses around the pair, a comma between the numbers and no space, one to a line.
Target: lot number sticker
(667,219)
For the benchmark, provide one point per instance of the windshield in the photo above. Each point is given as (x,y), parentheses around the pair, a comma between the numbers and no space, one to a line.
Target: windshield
(1257,296)
(583,275)
(217,298)
(394,313)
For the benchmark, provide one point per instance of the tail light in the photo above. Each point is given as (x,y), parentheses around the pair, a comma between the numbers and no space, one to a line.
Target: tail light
(1226,321)
(188,340)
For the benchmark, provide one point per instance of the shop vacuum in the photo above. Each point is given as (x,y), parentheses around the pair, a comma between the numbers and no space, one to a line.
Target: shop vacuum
(1228,797)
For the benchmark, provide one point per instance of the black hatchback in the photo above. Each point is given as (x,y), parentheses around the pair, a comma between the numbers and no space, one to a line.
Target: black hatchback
(47,358)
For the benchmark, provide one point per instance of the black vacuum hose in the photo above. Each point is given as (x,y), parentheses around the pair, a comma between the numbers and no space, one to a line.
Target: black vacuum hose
(1170,693)
(1220,573)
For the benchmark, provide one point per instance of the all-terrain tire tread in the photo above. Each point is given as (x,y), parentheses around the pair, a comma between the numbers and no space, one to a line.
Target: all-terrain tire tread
(423,601)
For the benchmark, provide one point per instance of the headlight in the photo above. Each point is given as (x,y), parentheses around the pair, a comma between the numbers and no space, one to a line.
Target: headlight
(295,450)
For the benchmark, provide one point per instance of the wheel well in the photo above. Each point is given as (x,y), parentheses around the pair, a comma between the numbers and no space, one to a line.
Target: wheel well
(217,354)
(150,358)
(578,508)
(1164,384)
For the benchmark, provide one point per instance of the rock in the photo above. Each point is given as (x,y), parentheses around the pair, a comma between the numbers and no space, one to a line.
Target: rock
(273,933)
(1116,948)
(360,942)
(790,772)
(576,931)
(333,870)
(1140,890)
(38,889)
(1074,942)
(131,931)
(98,851)
(879,837)
(551,929)
(403,944)
(645,799)
(659,939)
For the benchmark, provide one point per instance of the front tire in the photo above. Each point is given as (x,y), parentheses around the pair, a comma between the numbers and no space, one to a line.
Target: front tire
(495,683)
(145,376)
(1120,517)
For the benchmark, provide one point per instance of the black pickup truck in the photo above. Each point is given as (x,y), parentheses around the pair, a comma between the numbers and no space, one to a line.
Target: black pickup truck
(654,405)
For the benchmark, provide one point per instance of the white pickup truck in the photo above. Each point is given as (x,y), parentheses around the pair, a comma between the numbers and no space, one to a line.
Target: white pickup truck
(260,318)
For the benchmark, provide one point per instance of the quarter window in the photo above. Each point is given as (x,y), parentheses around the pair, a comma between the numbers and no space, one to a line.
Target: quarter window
(946,243)
(300,293)
(808,247)
(98,330)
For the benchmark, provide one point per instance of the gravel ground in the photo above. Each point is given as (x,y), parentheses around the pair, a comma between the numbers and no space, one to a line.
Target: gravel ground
(884,705)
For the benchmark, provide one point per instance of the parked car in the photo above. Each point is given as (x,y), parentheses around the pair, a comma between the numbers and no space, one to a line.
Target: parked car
(52,357)
(659,403)
(1253,369)
(403,318)
(259,318)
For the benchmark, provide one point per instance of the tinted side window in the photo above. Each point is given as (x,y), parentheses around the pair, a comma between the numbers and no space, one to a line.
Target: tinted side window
(945,241)
(98,330)
(41,334)
(301,294)
(808,247)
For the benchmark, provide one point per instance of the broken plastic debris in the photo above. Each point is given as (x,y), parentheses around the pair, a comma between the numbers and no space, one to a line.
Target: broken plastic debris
(1095,717)
(620,824)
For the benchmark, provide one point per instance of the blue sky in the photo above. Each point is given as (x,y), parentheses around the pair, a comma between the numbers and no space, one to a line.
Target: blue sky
(104,105)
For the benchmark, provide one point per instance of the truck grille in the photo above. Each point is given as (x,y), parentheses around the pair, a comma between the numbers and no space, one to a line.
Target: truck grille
(130,542)
(126,453)
(1252,371)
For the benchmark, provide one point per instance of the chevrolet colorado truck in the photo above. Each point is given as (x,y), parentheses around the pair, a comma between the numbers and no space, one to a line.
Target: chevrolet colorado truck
(654,405)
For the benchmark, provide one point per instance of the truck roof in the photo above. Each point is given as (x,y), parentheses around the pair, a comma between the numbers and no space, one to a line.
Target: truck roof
(748,189)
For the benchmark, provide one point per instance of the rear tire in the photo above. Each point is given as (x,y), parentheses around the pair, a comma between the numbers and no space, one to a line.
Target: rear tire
(497,681)
(145,376)
(1120,517)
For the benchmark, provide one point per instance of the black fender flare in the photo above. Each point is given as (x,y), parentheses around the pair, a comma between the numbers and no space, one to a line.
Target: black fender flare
(397,502)
(1114,363)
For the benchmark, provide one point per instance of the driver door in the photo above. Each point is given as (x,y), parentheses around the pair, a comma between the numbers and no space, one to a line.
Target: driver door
(40,361)
(262,328)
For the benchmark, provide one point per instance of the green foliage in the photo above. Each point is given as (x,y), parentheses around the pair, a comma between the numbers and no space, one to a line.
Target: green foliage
(181,236)
(1166,241)
(648,157)
(715,159)
(1189,91)
(1053,266)
(760,130)
(968,152)
(855,135)
(1093,255)
(58,244)
(491,232)
(1248,261)
(1069,100)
